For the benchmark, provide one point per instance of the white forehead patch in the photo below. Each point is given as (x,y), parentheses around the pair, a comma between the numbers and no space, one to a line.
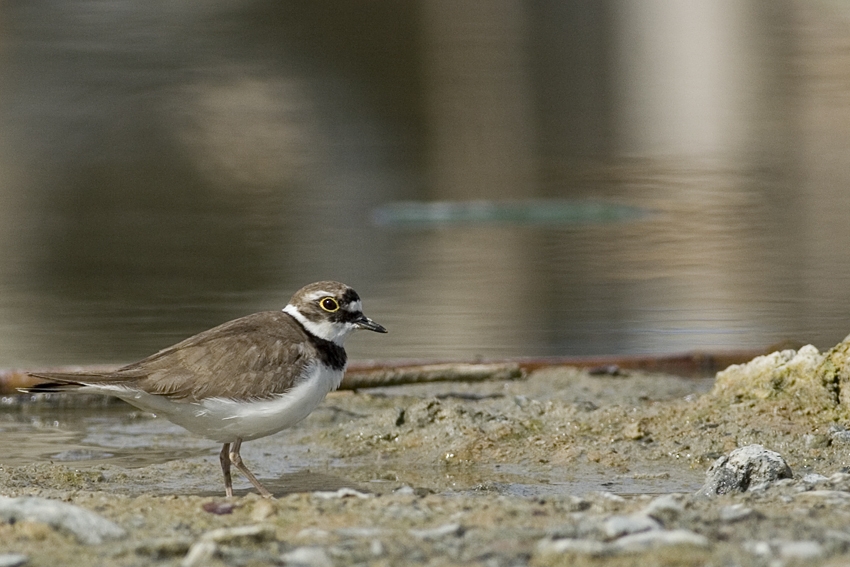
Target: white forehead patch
(355,307)
(318,295)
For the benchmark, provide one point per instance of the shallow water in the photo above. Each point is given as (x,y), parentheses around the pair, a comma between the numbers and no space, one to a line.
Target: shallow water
(114,434)
(660,479)
(120,437)
(333,448)
(286,466)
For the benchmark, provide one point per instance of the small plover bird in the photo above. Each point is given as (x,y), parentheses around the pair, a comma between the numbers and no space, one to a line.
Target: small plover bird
(244,379)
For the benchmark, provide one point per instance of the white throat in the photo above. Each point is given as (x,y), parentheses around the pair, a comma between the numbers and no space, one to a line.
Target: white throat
(334,332)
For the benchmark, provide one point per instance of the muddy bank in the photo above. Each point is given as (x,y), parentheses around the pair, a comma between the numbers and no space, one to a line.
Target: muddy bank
(562,467)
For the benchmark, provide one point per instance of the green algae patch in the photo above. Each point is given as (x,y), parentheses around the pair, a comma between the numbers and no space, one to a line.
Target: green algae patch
(801,382)
(794,402)
(804,383)
(835,373)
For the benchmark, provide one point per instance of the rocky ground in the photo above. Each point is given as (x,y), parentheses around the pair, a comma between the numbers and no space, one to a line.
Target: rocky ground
(564,467)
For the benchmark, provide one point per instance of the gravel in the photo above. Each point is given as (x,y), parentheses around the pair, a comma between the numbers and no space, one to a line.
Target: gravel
(522,473)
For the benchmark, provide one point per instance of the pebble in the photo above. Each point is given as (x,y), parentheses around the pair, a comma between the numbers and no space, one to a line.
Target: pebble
(839,477)
(816,440)
(13,559)
(617,526)
(438,532)
(376,548)
(800,549)
(307,557)
(313,533)
(610,496)
(240,534)
(627,544)
(162,548)
(361,532)
(207,546)
(761,548)
(735,513)
(341,493)
(795,550)
(580,546)
(748,468)
(838,434)
(814,478)
(660,538)
(665,508)
(201,553)
(832,495)
(262,510)
(88,527)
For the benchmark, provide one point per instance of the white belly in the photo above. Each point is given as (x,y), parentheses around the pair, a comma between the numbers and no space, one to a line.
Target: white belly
(226,420)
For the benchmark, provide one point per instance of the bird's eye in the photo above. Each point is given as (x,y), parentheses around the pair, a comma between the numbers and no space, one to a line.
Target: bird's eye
(329,304)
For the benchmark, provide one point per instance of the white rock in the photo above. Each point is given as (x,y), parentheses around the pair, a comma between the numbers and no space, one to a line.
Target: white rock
(438,532)
(735,513)
(814,478)
(168,546)
(760,487)
(307,557)
(341,493)
(839,477)
(313,533)
(659,538)
(838,434)
(744,469)
(761,548)
(13,559)
(611,496)
(617,526)
(666,507)
(376,548)
(800,549)
(569,545)
(201,553)
(87,527)
(361,532)
(262,510)
(834,495)
(230,535)
(806,549)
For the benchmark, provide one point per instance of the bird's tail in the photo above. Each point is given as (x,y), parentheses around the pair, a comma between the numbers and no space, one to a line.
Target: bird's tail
(57,382)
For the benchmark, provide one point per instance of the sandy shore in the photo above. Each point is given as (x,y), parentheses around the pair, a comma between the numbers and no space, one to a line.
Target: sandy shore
(561,467)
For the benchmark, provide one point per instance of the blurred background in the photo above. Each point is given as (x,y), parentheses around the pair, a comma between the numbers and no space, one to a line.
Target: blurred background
(499,178)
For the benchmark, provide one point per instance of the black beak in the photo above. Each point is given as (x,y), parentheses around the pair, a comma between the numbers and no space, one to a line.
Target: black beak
(364,322)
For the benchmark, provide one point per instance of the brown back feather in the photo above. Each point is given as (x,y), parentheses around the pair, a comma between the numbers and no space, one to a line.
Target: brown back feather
(252,357)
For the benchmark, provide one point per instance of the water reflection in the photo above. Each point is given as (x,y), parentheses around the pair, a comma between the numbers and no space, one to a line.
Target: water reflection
(110,435)
(536,213)
(165,168)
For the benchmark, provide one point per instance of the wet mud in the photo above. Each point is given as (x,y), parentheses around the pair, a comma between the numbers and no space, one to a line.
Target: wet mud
(532,471)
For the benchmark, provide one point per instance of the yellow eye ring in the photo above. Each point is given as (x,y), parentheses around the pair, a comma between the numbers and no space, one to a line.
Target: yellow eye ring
(329,304)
